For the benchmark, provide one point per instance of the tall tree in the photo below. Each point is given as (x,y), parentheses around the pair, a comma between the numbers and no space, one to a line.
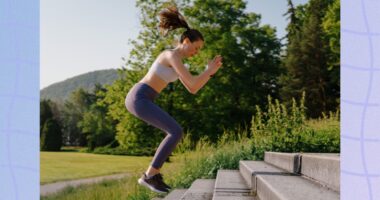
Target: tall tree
(51,136)
(45,113)
(97,127)
(50,130)
(306,62)
(73,110)
(331,29)
(250,67)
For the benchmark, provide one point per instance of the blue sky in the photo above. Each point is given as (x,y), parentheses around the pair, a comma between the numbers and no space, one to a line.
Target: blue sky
(79,36)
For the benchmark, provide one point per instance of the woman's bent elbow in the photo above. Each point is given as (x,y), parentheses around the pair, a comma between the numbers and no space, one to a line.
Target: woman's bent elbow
(193,91)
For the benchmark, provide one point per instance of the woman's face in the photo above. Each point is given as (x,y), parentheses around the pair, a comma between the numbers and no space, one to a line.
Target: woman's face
(192,48)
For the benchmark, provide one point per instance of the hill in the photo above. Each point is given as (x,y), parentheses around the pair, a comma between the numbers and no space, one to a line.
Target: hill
(60,91)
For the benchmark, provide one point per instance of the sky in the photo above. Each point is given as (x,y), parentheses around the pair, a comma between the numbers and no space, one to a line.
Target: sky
(80,36)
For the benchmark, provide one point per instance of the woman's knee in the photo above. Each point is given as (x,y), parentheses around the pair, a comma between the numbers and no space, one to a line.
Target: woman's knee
(177,132)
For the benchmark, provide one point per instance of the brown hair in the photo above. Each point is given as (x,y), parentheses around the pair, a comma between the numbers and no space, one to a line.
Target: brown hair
(171,19)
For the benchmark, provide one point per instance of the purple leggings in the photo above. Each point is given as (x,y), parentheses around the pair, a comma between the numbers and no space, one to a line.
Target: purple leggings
(139,102)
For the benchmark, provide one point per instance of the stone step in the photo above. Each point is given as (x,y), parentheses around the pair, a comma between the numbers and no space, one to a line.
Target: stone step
(323,168)
(290,162)
(271,183)
(234,197)
(285,187)
(231,185)
(175,194)
(250,169)
(200,189)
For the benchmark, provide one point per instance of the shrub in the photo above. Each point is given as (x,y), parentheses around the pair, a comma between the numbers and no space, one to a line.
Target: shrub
(282,130)
(51,136)
(231,148)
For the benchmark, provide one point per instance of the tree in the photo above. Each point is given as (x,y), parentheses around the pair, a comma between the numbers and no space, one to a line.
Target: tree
(251,65)
(250,68)
(306,62)
(51,136)
(331,29)
(45,113)
(98,128)
(50,128)
(73,111)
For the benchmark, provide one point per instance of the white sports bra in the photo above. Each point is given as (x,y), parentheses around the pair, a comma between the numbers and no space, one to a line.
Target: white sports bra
(168,74)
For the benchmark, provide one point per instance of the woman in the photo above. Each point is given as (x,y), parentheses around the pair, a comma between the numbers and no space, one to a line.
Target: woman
(168,67)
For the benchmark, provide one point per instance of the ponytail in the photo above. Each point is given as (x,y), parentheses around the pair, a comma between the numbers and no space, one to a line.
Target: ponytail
(171,19)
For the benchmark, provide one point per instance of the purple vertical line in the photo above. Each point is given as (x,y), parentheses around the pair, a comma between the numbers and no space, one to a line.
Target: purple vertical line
(13,178)
(363,155)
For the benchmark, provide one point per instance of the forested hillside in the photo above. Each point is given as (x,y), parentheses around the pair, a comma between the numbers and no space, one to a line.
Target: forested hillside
(59,92)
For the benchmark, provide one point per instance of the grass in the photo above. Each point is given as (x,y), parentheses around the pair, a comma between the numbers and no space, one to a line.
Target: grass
(71,165)
(127,188)
(73,149)
(319,125)
(116,189)
(183,169)
(59,166)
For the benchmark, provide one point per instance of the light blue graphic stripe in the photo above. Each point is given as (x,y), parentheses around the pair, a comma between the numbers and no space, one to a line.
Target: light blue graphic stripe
(363,117)
(19,61)
(11,8)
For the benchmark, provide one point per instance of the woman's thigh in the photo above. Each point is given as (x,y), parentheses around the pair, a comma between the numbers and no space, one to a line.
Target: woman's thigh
(156,116)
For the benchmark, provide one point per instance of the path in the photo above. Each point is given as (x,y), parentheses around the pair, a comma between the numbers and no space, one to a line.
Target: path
(51,188)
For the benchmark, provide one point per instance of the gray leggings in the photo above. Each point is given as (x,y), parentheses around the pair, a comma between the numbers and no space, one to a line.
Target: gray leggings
(139,102)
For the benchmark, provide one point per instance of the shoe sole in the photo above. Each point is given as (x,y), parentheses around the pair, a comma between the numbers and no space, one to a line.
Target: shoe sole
(143,183)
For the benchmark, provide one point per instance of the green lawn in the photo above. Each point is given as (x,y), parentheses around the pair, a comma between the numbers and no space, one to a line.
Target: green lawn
(58,166)
(126,188)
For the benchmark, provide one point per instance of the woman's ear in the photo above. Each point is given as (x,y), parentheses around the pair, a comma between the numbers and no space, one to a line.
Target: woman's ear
(186,41)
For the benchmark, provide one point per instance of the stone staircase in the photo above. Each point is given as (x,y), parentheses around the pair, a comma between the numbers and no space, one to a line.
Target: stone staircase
(281,176)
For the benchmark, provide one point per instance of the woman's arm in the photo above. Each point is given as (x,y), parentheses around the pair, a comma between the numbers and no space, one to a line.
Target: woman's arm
(194,83)
(199,80)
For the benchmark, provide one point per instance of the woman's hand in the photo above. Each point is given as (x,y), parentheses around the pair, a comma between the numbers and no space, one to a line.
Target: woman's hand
(214,64)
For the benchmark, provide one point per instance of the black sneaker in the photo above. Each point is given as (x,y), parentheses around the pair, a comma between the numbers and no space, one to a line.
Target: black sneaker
(154,183)
(162,181)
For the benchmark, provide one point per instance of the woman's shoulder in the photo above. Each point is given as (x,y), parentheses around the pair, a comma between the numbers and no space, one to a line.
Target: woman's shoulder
(168,55)
(165,57)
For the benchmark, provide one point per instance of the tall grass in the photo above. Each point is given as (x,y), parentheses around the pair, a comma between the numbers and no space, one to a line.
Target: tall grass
(224,155)
(282,130)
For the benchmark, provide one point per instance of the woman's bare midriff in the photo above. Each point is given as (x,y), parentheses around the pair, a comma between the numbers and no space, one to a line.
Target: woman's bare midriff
(154,81)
